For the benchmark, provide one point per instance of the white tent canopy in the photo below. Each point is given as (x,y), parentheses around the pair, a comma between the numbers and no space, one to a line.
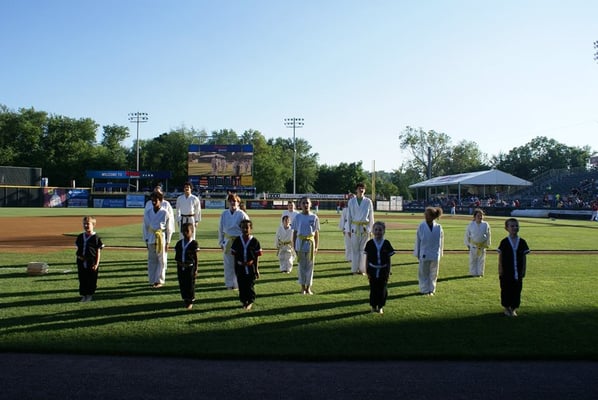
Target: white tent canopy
(491,177)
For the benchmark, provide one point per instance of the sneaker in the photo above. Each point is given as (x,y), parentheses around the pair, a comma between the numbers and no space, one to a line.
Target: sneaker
(89,298)
(308,291)
(381,311)
(507,312)
(249,306)
(189,306)
(513,313)
(83,299)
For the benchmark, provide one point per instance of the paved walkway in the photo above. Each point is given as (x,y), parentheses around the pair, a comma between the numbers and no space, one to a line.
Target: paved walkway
(48,377)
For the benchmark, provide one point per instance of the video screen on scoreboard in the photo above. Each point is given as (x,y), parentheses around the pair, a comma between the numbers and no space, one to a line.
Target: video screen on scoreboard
(220,160)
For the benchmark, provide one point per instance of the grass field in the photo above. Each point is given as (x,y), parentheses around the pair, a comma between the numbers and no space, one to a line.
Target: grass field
(558,317)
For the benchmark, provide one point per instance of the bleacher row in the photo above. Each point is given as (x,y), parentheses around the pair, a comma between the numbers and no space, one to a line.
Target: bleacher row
(562,188)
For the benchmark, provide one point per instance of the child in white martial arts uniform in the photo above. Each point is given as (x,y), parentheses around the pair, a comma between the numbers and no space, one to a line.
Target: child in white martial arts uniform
(429,243)
(228,230)
(158,227)
(360,220)
(306,237)
(477,240)
(284,245)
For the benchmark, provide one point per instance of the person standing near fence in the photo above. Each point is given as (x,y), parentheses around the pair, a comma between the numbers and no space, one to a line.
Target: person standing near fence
(477,240)
(228,230)
(158,227)
(188,209)
(360,220)
(89,245)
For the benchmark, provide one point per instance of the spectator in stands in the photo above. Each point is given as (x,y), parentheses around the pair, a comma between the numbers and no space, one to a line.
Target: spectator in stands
(594,211)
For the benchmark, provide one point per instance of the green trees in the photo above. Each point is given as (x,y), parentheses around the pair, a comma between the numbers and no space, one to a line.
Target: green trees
(540,155)
(65,148)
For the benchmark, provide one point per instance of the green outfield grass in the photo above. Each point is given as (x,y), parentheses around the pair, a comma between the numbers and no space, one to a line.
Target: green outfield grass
(558,317)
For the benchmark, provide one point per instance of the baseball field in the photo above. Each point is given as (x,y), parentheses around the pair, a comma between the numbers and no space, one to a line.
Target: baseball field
(558,317)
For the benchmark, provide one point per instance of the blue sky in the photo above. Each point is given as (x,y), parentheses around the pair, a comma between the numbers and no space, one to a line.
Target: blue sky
(497,73)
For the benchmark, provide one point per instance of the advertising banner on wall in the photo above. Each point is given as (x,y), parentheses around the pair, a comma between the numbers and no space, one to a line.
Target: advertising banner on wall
(111,202)
(135,201)
(55,197)
(78,198)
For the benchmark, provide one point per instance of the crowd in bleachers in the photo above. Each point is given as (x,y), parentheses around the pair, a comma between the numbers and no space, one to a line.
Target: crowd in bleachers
(579,196)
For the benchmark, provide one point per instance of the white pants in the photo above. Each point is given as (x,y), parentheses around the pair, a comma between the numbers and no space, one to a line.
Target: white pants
(428,275)
(477,261)
(358,257)
(306,269)
(286,257)
(230,278)
(348,250)
(156,265)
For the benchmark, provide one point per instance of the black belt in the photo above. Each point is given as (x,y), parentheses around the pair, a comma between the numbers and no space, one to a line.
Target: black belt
(190,215)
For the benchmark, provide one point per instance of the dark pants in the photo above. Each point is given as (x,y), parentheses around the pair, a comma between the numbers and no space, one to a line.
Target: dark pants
(88,279)
(246,281)
(186,276)
(510,292)
(378,286)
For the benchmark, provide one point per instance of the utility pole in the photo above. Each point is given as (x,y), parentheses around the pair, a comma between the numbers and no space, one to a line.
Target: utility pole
(294,123)
(138,118)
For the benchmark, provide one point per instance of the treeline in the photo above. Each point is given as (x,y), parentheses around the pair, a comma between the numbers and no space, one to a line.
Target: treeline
(65,148)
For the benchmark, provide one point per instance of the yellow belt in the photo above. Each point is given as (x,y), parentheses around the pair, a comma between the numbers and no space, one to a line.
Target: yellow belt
(480,247)
(159,241)
(312,244)
(229,242)
(361,232)
(283,243)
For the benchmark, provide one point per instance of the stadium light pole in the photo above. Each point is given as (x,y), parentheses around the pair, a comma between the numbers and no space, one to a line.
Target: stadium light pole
(294,123)
(138,118)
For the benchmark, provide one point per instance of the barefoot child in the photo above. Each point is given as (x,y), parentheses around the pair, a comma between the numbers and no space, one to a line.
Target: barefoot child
(512,253)
(89,245)
(378,252)
(185,256)
(284,245)
(306,238)
(246,250)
